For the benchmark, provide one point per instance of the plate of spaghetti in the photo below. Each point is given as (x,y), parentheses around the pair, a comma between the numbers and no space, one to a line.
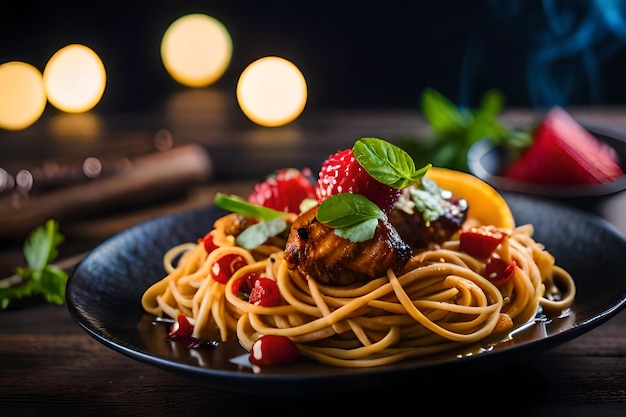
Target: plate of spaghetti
(362,273)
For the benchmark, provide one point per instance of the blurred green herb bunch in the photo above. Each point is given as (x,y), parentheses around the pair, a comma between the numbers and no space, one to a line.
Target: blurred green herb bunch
(455,129)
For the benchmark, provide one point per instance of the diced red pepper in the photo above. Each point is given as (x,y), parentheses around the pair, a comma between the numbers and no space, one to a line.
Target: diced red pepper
(181,328)
(499,272)
(481,241)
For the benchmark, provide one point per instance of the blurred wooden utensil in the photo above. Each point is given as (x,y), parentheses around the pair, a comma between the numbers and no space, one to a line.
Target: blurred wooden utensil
(150,178)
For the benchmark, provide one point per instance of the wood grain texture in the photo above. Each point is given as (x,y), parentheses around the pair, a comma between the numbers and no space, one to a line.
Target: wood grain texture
(49,365)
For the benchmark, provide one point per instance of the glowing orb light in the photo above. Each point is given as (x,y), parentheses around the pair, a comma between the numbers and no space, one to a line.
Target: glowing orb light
(22,95)
(272,91)
(74,79)
(196,50)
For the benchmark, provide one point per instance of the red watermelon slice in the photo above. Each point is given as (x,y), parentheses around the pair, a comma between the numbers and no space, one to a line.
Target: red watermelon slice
(563,152)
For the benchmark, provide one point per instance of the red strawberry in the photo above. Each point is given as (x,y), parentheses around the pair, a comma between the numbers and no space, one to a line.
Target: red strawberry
(563,152)
(284,190)
(342,173)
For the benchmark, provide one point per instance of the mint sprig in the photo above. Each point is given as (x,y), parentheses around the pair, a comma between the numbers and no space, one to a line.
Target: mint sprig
(353,216)
(255,235)
(39,277)
(457,128)
(387,163)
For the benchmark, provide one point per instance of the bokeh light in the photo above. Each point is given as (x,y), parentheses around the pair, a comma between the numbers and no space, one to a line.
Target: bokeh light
(272,91)
(75,127)
(74,79)
(22,97)
(196,50)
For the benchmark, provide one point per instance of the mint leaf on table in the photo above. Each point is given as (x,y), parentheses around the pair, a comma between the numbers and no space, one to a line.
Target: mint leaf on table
(39,277)
(455,129)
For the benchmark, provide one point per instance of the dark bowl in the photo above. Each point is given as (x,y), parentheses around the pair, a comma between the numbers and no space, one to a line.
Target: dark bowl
(487,161)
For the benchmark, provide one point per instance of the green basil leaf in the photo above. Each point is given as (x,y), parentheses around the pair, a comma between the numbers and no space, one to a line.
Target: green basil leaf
(52,284)
(238,205)
(258,234)
(387,163)
(358,232)
(492,102)
(347,209)
(40,247)
(443,116)
(39,278)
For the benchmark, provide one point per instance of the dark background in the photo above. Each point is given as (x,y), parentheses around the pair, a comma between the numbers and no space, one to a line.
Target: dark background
(354,54)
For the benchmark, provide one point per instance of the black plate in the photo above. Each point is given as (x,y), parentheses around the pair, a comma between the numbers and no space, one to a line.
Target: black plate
(487,161)
(105,289)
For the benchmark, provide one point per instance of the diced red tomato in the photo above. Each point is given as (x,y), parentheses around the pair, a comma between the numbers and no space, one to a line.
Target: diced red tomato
(499,272)
(273,350)
(209,243)
(224,268)
(265,292)
(245,284)
(481,241)
(259,290)
(181,329)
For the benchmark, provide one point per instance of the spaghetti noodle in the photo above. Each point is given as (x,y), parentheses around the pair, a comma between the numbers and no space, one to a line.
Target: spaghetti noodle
(439,301)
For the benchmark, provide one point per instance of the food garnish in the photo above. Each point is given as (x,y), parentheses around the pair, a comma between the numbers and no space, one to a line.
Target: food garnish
(373,168)
(456,128)
(238,205)
(486,205)
(40,277)
(353,216)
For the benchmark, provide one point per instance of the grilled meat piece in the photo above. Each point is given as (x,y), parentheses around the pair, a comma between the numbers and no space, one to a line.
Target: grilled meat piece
(451,213)
(315,250)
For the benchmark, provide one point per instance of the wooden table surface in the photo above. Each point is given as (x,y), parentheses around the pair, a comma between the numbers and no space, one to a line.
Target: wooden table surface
(50,366)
